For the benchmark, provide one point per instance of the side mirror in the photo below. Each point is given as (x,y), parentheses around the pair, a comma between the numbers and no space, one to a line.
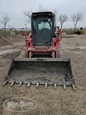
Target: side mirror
(55,35)
(30,36)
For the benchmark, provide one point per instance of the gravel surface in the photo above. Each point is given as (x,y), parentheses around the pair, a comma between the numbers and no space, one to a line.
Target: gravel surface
(50,101)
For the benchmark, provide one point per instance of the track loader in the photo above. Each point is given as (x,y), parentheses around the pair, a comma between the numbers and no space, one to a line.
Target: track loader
(42,64)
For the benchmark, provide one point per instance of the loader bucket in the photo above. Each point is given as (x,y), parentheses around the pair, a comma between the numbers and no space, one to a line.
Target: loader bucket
(56,72)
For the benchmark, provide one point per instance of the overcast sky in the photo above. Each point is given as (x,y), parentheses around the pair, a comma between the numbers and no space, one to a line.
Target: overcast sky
(15,10)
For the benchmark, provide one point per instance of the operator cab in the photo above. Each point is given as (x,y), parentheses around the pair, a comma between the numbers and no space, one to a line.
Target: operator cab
(42,24)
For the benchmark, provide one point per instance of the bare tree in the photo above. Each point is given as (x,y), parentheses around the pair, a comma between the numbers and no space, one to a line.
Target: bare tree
(62,19)
(41,9)
(76,18)
(5,19)
(29,12)
(28,15)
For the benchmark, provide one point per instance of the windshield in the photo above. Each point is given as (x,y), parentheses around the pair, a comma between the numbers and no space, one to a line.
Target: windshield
(42,23)
(42,28)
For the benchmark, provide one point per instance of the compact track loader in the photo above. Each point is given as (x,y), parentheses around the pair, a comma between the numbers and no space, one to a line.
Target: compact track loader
(42,64)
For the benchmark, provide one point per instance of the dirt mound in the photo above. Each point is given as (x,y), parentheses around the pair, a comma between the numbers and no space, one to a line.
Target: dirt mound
(10,39)
(10,53)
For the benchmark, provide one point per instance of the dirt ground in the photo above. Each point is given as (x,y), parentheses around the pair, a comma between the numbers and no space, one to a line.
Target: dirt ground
(49,101)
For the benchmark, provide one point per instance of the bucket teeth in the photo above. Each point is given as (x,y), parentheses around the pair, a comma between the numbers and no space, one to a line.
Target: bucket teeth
(37,84)
(64,86)
(20,84)
(73,86)
(5,82)
(55,85)
(46,85)
(28,84)
(12,82)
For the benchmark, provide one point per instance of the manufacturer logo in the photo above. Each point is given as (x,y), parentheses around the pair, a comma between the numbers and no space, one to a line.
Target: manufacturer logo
(19,104)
